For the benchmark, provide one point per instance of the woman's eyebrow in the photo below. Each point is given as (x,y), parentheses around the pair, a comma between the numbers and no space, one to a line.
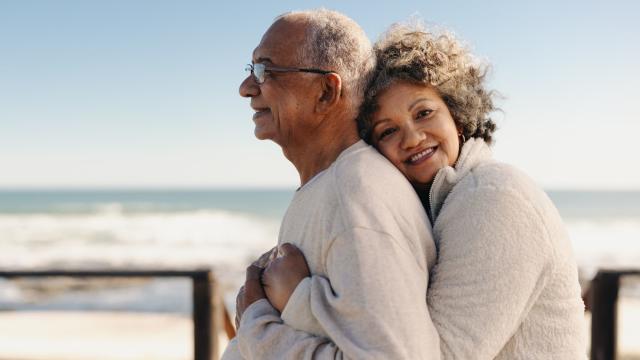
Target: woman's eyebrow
(378,122)
(413,104)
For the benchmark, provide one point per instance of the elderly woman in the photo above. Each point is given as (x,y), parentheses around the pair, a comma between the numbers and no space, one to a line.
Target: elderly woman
(505,285)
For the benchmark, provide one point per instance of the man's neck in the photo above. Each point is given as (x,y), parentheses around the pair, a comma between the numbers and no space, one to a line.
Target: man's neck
(319,152)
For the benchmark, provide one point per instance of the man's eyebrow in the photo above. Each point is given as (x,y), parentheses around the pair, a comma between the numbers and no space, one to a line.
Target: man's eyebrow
(263,59)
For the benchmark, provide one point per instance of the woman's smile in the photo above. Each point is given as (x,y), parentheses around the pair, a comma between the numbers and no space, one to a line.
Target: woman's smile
(421,156)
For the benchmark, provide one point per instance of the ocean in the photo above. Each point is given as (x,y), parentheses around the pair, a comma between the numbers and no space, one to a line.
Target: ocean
(220,229)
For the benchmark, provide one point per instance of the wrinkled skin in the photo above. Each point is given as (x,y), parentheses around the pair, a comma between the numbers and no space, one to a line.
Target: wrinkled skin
(283,274)
(274,276)
(252,290)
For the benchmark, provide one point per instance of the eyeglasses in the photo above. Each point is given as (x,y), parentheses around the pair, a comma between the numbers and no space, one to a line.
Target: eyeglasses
(259,71)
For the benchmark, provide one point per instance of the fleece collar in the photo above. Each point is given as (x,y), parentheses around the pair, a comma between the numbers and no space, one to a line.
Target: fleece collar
(473,152)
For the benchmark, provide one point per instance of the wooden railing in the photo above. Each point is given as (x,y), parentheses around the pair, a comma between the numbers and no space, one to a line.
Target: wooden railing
(209,313)
(604,311)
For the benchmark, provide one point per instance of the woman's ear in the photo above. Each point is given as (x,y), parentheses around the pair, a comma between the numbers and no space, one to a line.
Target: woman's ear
(330,94)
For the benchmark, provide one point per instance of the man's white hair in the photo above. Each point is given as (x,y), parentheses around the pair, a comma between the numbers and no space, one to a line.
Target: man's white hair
(335,42)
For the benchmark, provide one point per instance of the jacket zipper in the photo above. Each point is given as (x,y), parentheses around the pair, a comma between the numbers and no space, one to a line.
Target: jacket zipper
(430,211)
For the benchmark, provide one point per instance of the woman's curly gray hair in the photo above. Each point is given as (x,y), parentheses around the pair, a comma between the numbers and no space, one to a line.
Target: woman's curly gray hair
(408,53)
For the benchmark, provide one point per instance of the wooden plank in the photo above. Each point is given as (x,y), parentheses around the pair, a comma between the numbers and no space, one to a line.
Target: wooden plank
(104,273)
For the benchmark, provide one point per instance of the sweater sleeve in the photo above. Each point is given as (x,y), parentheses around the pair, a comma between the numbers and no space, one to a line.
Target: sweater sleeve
(493,262)
(297,312)
(232,352)
(372,306)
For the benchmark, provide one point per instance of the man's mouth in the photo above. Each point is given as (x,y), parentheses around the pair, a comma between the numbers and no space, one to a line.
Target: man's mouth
(421,156)
(260,112)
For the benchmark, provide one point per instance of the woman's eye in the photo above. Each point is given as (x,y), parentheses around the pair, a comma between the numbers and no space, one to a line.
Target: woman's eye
(424,113)
(386,132)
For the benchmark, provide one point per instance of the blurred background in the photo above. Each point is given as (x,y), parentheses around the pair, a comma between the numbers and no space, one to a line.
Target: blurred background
(124,145)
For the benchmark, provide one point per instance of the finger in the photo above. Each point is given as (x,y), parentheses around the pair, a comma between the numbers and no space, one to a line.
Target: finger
(254,272)
(267,276)
(265,258)
(253,287)
(288,249)
(264,275)
(239,299)
(274,254)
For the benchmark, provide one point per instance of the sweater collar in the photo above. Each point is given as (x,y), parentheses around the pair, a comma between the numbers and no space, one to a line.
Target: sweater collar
(473,152)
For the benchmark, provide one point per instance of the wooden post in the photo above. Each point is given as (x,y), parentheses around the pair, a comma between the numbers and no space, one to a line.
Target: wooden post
(202,317)
(604,296)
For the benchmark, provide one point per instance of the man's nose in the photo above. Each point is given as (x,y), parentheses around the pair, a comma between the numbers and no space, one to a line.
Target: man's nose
(249,87)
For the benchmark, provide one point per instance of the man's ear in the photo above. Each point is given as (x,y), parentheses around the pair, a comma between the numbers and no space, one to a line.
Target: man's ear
(330,93)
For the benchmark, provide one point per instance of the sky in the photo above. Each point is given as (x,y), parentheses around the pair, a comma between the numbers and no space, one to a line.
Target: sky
(144,94)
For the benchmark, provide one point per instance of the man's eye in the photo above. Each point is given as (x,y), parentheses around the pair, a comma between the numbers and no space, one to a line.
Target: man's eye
(386,132)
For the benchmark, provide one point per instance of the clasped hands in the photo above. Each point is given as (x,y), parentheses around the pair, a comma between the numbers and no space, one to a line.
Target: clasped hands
(274,276)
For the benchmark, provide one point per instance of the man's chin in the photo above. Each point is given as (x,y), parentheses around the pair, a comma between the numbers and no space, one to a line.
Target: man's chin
(261,134)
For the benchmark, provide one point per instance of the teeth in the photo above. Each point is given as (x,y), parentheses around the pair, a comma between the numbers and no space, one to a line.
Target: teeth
(421,154)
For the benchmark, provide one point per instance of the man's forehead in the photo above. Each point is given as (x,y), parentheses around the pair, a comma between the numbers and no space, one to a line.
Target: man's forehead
(280,40)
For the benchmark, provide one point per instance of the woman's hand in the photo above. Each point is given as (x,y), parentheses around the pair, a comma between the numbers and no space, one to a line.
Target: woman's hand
(252,290)
(283,274)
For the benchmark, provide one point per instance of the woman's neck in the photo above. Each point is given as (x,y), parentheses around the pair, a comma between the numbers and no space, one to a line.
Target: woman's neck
(423,191)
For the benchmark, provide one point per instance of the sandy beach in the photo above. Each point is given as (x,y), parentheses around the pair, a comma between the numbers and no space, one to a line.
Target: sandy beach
(40,335)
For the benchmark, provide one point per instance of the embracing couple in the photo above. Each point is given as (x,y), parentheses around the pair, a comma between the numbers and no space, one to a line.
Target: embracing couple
(405,239)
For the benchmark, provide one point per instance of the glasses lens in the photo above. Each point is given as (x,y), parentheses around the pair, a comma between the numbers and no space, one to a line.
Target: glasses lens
(258,72)
(252,69)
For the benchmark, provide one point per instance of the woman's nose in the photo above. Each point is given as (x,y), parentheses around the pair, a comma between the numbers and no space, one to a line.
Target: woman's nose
(249,87)
(412,137)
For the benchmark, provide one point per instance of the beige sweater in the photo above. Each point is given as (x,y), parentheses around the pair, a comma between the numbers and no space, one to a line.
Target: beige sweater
(359,224)
(505,285)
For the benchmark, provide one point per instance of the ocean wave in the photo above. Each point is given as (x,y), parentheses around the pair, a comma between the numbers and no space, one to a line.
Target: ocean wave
(225,241)
(114,238)
(605,243)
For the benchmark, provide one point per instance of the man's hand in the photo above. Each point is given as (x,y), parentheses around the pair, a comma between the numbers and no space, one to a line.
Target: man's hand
(282,275)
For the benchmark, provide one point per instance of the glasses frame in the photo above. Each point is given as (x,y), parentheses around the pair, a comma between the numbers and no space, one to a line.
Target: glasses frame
(254,69)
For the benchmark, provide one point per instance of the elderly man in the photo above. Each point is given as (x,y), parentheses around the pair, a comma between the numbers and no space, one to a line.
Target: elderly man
(357,220)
